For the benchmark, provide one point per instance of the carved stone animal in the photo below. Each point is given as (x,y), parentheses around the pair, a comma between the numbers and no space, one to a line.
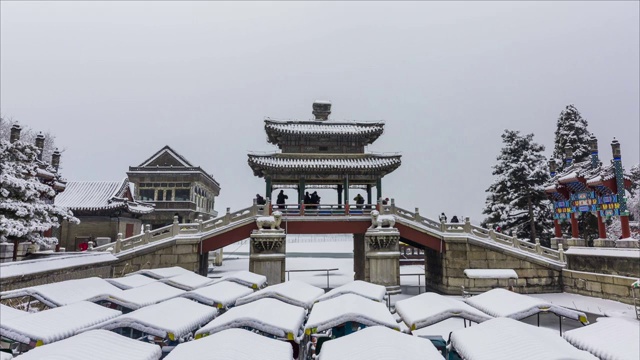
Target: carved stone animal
(270,222)
(379,221)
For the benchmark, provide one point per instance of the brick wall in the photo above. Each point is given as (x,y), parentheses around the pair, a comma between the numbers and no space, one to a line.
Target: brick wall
(604,286)
(621,266)
(77,272)
(183,253)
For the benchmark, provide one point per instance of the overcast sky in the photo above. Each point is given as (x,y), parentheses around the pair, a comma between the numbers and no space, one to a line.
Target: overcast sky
(117,81)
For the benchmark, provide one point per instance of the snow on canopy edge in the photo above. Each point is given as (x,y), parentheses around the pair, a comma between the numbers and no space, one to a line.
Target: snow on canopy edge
(229,292)
(349,307)
(608,338)
(292,292)
(412,310)
(7,312)
(358,287)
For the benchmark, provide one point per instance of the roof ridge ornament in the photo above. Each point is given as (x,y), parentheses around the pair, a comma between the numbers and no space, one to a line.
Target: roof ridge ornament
(321,110)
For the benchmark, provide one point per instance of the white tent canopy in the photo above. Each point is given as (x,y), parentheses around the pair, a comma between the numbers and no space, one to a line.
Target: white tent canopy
(358,287)
(346,308)
(131,281)
(7,313)
(190,281)
(96,345)
(506,339)
(430,308)
(292,292)
(379,343)
(52,325)
(246,278)
(233,344)
(505,303)
(172,319)
(163,273)
(222,294)
(138,297)
(608,338)
(269,316)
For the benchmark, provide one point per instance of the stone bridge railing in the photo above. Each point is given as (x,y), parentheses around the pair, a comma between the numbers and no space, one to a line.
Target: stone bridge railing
(435,228)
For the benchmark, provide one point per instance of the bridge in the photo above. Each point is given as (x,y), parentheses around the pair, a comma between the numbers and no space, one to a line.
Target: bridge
(450,248)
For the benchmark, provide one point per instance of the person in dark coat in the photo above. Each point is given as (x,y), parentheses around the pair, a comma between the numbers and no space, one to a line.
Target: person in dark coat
(260,200)
(359,201)
(307,198)
(280,200)
(315,199)
(454,219)
(442,217)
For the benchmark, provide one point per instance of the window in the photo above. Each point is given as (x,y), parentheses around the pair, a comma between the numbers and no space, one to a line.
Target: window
(146,194)
(324,148)
(182,195)
(163,184)
(160,195)
(184,185)
(169,195)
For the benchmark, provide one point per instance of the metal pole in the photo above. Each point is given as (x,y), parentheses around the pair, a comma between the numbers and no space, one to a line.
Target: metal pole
(560,322)
(538,319)
(327,279)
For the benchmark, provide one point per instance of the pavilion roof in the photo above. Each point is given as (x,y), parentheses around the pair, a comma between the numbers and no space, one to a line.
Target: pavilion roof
(367,132)
(584,173)
(100,195)
(354,164)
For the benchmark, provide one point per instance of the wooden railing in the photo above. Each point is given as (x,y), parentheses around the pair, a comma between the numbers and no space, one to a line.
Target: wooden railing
(324,209)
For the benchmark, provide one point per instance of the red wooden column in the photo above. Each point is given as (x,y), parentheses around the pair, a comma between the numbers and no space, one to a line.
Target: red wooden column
(602,229)
(557,228)
(575,232)
(624,224)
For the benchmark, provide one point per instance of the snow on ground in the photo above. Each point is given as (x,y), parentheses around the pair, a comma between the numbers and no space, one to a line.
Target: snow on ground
(95,345)
(608,339)
(379,343)
(232,344)
(222,294)
(292,292)
(349,308)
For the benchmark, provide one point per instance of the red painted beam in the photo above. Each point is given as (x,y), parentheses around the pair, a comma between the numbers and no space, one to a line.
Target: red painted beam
(421,238)
(326,227)
(218,241)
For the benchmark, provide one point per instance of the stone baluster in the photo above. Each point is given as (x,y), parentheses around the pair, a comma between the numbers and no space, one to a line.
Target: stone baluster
(147,234)
(443,226)
(227,215)
(200,221)
(467,225)
(492,235)
(268,207)
(561,252)
(254,208)
(175,229)
(393,206)
(538,246)
(514,241)
(118,243)
(416,216)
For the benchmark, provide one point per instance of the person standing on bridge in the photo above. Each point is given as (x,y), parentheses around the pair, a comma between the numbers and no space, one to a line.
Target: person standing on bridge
(454,219)
(260,200)
(281,199)
(442,218)
(359,201)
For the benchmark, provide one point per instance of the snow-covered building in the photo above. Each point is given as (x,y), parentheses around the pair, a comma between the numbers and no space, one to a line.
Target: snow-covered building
(175,187)
(104,208)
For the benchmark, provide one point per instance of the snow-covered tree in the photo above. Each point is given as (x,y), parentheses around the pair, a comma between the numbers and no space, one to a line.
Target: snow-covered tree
(571,131)
(26,199)
(28,135)
(634,172)
(517,202)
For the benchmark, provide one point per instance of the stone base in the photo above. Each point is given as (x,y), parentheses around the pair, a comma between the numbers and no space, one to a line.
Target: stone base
(270,265)
(604,243)
(628,243)
(567,243)
(384,268)
(556,241)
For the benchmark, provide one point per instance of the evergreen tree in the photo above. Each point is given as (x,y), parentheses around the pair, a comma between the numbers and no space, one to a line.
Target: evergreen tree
(571,132)
(517,202)
(26,201)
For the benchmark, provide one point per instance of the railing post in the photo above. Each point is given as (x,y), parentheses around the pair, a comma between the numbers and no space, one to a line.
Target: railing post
(200,221)
(492,235)
(442,226)
(561,252)
(514,241)
(268,207)
(227,215)
(393,205)
(346,208)
(254,208)
(416,216)
(175,229)
(301,207)
(147,235)
(118,243)
(467,225)
(379,205)
(538,247)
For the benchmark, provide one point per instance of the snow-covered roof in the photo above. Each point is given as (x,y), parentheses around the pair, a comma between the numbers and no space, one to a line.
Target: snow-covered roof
(56,262)
(430,308)
(506,339)
(67,292)
(5,356)
(142,296)
(188,281)
(168,150)
(292,292)
(99,195)
(222,294)
(232,344)
(7,312)
(346,128)
(269,316)
(315,163)
(172,319)
(349,307)
(491,273)
(614,252)
(608,338)
(246,278)
(358,287)
(163,273)
(505,303)
(379,343)
(51,325)
(131,281)
(96,345)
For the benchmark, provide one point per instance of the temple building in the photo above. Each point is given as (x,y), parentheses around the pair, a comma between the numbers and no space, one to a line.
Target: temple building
(590,186)
(323,154)
(175,187)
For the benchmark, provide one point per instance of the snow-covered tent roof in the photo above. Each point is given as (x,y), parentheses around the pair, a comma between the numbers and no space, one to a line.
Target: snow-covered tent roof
(5,356)
(222,294)
(292,292)
(506,339)
(379,343)
(491,273)
(100,195)
(349,307)
(163,273)
(188,281)
(172,319)
(246,278)
(96,345)
(67,292)
(430,308)
(505,303)
(52,325)
(56,262)
(232,344)
(269,316)
(358,287)
(7,312)
(142,296)
(355,164)
(608,338)
(131,281)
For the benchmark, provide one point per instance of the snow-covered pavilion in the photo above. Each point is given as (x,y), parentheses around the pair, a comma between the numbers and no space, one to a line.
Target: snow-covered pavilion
(232,344)
(292,292)
(221,295)
(246,278)
(429,308)
(507,339)
(52,325)
(361,288)
(379,343)
(608,338)
(96,345)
